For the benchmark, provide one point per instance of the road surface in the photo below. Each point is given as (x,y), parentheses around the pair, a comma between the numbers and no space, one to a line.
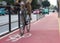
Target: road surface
(14,25)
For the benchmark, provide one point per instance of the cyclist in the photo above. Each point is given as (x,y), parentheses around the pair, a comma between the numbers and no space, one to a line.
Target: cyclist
(23,6)
(26,4)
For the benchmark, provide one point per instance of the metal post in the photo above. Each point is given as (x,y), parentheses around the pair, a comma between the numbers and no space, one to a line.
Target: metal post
(18,17)
(58,6)
(9,19)
(37,17)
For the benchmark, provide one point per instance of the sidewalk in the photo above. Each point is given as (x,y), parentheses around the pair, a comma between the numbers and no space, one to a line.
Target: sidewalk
(45,30)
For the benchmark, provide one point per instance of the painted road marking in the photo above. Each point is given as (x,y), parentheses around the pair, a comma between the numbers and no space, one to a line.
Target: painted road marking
(14,37)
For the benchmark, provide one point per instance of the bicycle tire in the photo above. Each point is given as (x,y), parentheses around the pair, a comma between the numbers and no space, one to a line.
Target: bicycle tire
(22,28)
(28,29)
(28,25)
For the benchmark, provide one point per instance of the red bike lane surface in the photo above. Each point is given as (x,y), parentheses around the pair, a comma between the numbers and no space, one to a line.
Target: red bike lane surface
(43,31)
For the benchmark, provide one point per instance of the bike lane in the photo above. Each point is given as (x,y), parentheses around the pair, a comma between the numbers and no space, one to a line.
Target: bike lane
(45,30)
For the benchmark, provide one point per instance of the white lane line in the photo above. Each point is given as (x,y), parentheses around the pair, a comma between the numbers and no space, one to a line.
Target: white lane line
(18,30)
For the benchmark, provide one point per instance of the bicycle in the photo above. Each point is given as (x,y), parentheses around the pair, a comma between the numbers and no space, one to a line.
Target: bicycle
(25,22)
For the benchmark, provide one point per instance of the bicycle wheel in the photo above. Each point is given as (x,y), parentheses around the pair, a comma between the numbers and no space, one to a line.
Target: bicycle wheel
(28,24)
(22,27)
(22,23)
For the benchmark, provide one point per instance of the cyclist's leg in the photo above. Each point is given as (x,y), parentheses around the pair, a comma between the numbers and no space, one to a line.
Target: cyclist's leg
(29,9)
(28,23)
(30,16)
